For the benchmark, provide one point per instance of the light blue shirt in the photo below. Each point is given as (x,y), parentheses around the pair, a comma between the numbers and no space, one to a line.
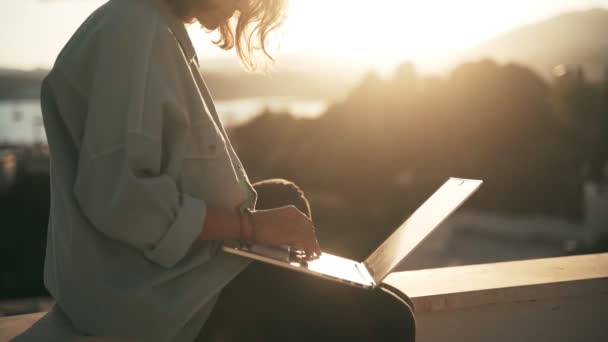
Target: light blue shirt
(137,154)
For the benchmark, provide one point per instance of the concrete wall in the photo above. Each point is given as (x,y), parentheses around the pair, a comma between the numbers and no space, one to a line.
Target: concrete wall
(581,318)
(555,299)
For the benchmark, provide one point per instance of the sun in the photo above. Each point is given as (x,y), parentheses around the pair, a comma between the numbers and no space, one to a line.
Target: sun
(383,33)
(384,30)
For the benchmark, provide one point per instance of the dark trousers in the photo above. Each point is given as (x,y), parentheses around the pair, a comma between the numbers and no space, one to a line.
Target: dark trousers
(268,303)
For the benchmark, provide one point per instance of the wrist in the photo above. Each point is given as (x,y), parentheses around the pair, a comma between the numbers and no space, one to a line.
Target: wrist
(247,226)
(221,224)
(252,224)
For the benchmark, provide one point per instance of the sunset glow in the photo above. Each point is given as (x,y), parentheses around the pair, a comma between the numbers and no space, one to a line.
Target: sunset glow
(385,32)
(372,32)
(386,29)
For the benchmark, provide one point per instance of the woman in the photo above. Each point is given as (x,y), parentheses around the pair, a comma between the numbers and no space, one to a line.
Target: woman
(145,183)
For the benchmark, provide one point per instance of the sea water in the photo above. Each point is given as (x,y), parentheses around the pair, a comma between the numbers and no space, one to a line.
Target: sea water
(21,120)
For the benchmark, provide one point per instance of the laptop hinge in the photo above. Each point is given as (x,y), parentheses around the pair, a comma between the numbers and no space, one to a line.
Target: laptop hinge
(365,273)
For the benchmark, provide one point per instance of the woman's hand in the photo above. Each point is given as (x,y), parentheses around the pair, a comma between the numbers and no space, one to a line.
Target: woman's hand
(286,226)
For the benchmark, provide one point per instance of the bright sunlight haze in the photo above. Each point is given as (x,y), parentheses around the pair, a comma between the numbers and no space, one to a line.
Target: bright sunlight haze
(378,33)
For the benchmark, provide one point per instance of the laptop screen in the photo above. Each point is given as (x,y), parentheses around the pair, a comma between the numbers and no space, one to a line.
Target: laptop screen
(419,226)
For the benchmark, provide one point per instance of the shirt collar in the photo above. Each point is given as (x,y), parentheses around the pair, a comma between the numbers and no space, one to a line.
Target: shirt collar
(177,27)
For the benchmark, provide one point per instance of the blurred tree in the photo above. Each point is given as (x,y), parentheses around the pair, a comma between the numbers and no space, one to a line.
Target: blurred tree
(599,161)
(486,120)
(580,107)
(24,212)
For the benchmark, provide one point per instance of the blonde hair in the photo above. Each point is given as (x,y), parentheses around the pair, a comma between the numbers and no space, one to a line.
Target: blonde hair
(248,30)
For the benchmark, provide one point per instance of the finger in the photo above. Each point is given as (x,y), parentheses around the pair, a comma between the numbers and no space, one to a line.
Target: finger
(308,249)
(298,247)
(315,249)
(316,246)
(313,256)
(312,243)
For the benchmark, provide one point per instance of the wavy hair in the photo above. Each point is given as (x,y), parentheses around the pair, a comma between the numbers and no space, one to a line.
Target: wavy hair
(248,30)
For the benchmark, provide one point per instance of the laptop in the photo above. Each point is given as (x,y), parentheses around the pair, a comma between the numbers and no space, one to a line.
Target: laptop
(370,273)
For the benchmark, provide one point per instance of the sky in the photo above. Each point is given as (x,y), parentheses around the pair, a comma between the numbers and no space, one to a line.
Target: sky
(374,32)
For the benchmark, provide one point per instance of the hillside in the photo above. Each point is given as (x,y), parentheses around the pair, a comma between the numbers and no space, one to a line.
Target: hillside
(571,38)
(224,84)
(18,84)
(575,38)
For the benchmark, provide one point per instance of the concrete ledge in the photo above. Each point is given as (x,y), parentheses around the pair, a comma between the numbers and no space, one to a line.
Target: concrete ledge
(554,299)
(12,326)
(468,286)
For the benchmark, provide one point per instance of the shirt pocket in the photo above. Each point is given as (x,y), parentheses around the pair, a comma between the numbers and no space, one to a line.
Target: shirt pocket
(205,141)
(204,149)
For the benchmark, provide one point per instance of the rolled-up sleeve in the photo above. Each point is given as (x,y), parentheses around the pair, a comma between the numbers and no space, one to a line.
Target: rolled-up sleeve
(125,184)
(126,199)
